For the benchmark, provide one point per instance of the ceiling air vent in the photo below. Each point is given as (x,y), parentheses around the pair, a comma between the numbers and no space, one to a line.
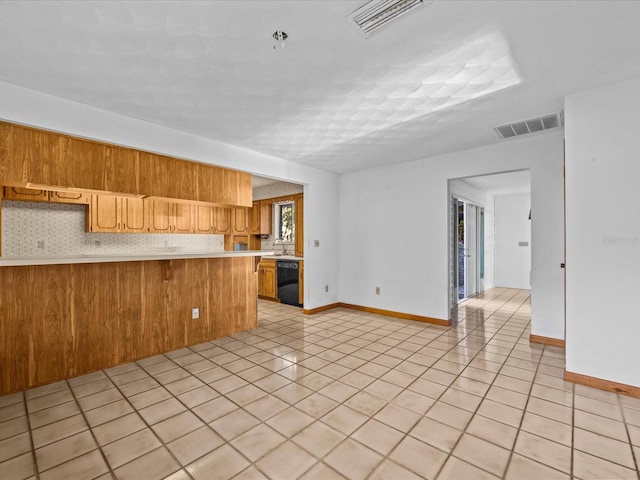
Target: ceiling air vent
(377,14)
(545,122)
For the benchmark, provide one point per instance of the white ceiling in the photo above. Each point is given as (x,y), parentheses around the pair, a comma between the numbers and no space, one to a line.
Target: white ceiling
(330,99)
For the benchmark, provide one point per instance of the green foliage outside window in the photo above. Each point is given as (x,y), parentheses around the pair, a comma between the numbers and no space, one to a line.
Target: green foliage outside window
(286,223)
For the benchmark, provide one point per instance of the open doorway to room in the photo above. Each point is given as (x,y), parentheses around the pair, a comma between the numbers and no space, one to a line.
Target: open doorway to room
(489,233)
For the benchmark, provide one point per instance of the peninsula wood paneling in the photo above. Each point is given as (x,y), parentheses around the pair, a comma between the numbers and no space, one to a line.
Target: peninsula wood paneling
(38,157)
(60,321)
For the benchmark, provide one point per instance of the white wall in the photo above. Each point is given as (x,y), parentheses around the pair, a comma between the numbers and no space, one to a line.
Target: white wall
(512,227)
(603,232)
(393,225)
(28,107)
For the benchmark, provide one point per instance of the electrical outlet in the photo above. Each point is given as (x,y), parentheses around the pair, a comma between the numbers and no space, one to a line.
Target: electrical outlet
(41,244)
(195,313)
(377,290)
(326,289)
(316,243)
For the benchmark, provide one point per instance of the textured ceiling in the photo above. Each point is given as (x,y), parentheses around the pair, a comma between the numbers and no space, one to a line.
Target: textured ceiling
(436,81)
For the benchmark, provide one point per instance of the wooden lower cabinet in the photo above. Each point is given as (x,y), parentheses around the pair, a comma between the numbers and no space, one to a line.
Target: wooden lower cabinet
(267,279)
(92,316)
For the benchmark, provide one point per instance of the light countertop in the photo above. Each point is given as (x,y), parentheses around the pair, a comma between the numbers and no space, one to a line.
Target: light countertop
(276,256)
(134,257)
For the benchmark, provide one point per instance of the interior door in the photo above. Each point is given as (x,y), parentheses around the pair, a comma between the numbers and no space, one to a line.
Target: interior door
(471,249)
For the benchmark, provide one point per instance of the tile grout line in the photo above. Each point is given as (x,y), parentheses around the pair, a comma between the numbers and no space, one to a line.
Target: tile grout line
(86,421)
(33,449)
(626,427)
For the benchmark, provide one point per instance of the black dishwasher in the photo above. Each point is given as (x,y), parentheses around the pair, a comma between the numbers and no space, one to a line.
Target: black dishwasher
(288,282)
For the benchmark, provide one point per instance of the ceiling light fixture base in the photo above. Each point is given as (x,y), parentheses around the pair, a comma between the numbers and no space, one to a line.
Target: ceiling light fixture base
(280,36)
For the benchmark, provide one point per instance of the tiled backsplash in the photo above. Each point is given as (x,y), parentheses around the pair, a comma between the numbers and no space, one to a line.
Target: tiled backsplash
(60,230)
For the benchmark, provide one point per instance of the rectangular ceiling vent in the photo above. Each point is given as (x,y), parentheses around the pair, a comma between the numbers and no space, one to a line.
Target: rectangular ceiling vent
(377,14)
(538,124)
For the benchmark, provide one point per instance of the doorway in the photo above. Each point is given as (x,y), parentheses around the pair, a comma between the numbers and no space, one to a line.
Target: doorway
(467,249)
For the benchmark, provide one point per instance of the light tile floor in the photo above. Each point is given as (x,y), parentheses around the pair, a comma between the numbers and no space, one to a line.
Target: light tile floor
(337,395)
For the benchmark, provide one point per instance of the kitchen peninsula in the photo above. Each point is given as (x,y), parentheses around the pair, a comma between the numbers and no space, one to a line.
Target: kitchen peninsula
(63,316)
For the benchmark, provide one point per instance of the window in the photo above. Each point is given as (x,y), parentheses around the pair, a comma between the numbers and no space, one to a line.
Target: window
(284,219)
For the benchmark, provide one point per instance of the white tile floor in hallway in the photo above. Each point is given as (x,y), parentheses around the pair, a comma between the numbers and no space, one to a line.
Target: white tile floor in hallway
(337,395)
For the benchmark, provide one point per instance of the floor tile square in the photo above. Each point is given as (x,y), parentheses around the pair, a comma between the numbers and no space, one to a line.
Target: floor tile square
(89,465)
(523,467)
(149,397)
(195,444)
(59,452)
(177,426)
(233,424)
(162,410)
(418,457)
(290,421)
(378,436)
(128,448)
(155,465)
(344,419)
(353,460)
(225,461)
(482,454)
(318,439)
(544,451)
(590,467)
(286,461)
(257,442)
(436,434)
(58,430)
(456,469)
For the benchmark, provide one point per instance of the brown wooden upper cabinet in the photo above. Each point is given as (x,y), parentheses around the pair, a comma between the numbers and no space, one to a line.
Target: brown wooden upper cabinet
(203,219)
(266,217)
(240,220)
(254,219)
(37,195)
(68,197)
(167,217)
(26,194)
(42,158)
(221,221)
(112,214)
